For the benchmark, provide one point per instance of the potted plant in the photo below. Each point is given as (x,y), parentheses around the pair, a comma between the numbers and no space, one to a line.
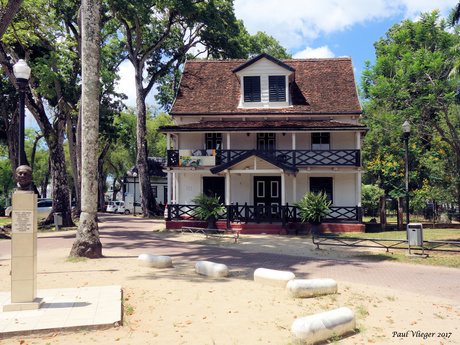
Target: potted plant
(314,208)
(209,208)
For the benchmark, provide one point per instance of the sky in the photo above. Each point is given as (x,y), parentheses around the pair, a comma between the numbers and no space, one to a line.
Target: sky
(316,29)
(320,28)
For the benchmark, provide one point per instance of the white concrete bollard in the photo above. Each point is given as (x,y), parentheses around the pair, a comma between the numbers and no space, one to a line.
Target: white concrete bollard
(211,269)
(317,328)
(311,287)
(272,277)
(157,261)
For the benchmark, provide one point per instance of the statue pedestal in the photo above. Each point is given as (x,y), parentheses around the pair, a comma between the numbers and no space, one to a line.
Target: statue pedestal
(24,253)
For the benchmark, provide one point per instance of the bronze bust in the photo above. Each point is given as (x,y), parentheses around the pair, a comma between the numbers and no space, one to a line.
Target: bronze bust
(23,177)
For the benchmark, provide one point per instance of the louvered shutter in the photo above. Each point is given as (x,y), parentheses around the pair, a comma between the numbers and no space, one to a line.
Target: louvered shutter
(277,88)
(252,89)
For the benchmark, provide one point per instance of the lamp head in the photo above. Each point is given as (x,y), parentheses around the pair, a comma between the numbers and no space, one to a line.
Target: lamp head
(21,70)
(406,128)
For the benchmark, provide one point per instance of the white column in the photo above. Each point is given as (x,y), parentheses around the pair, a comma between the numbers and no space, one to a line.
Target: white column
(176,188)
(358,188)
(283,188)
(228,141)
(169,187)
(294,188)
(293,141)
(228,198)
(358,140)
(168,141)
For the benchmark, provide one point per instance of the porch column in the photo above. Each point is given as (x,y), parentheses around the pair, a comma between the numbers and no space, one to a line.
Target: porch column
(169,187)
(359,196)
(293,141)
(283,188)
(228,141)
(358,140)
(294,188)
(168,141)
(227,188)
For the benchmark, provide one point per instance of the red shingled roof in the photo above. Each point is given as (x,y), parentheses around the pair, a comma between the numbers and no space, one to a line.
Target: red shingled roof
(263,125)
(322,86)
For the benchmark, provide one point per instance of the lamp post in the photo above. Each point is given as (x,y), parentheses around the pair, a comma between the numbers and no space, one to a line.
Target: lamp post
(22,74)
(406,133)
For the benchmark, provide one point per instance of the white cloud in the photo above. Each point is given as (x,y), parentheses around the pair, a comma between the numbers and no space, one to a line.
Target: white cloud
(321,52)
(295,23)
(126,83)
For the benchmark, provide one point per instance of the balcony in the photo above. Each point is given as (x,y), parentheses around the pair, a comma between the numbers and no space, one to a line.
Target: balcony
(293,158)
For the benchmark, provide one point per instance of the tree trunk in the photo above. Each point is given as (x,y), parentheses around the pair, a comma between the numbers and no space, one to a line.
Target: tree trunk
(7,14)
(101,177)
(142,154)
(87,242)
(383,214)
(72,141)
(400,213)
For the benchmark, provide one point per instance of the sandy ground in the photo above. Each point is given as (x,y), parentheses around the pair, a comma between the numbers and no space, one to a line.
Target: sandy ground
(177,306)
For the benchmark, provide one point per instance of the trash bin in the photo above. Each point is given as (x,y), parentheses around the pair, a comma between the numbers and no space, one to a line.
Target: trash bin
(415,234)
(57,220)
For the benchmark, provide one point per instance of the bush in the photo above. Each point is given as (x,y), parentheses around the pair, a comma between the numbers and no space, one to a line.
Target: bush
(370,200)
(313,207)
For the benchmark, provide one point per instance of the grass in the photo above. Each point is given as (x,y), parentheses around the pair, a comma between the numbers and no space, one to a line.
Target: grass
(436,258)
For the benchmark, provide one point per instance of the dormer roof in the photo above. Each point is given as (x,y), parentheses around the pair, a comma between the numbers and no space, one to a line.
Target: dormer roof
(261,56)
(321,86)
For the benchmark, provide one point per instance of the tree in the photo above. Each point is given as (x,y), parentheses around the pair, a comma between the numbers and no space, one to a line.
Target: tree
(159,36)
(411,79)
(87,243)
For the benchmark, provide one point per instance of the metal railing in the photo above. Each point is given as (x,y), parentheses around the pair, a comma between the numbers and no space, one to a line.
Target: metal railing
(260,213)
(382,243)
(290,157)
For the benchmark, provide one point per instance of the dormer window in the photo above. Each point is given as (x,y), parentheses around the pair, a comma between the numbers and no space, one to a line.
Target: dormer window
(277,88)
(264,83)
(252,89)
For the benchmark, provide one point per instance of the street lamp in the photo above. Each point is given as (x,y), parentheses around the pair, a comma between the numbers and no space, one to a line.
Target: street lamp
(406,133)
(22,73)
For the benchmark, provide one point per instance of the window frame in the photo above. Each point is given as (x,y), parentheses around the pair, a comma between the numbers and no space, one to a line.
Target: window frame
(324,139)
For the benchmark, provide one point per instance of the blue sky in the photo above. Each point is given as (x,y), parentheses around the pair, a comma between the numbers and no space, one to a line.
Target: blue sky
(320,28)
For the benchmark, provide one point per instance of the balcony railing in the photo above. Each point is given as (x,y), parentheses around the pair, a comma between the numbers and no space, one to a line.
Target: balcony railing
(293,158)
(258,214)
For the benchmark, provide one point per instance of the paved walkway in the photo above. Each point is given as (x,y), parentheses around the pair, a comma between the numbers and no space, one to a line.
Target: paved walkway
(427,280)
(132,236)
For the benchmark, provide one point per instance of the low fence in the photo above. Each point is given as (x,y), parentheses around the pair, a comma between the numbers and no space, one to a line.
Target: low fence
(260,213)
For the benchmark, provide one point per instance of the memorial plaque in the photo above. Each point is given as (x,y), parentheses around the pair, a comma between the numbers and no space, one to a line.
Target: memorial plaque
(23,222)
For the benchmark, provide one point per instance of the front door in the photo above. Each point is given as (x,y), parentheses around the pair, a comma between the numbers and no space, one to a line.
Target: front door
(267,192)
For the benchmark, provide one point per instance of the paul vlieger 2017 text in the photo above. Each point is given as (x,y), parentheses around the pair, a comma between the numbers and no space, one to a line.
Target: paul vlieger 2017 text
(420,334)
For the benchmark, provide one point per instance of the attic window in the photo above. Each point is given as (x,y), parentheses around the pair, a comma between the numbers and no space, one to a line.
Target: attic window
(277,88)
(252,89)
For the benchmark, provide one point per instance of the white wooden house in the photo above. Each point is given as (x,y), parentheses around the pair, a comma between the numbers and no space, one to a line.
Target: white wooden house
(261,133)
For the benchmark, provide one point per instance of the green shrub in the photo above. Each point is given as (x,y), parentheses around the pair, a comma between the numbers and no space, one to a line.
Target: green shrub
(313,207)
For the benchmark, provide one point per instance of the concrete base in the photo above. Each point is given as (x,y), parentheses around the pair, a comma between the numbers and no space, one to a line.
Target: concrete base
(35,305)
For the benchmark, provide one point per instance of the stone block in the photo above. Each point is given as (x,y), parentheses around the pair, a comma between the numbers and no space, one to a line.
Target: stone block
(320,327)
(272,277)
(211,269)
(156,261)
(311,287)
